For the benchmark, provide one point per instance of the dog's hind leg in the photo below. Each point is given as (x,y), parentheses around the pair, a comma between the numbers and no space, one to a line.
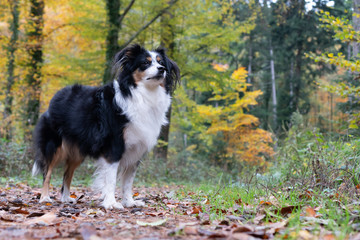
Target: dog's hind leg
(58,156)
(74,159)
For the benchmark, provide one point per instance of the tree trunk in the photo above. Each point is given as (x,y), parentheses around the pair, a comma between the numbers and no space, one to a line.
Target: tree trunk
(167,41)
(112,45)
(12,47)
(273,87)
(34,49)
(250,61)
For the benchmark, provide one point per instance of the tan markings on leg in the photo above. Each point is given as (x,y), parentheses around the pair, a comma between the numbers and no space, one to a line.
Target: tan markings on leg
(58,157)
(74,159)
(138,75)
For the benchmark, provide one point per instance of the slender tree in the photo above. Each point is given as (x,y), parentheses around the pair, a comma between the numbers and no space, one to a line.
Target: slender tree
(166,41)
(356,24)
(114,27)
(114,21)
(11,49)
(34,47)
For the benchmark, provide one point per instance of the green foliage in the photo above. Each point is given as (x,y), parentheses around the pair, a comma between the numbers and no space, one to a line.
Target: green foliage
(14,158)
(345,32)
(309,159)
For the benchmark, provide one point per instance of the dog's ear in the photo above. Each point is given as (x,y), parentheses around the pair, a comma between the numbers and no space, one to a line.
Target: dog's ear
(173,76)
(124,58)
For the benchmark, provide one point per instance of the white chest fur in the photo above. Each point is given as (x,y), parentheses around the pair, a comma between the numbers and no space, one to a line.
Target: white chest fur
(146,109)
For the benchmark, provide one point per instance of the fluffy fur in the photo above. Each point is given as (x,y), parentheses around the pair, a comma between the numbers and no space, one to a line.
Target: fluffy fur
(116,124)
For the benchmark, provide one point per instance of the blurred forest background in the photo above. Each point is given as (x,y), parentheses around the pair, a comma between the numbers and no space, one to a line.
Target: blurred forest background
(270,87)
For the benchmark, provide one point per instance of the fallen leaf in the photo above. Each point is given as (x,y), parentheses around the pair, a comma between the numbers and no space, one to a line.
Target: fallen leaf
(329,237)
(211,234)
(243,229)
(286,210)
(153,224)
(190,230)
(258,218)
(136,194)
(155,214)
(305,235)
(240,236)
(310,212)
(35,214)
(46,219)
(19,210)
(195,210)
(265,203)
(6,219)
(88,232)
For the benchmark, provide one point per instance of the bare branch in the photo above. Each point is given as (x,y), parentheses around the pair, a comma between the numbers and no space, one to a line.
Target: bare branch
(122,16)
(149,23)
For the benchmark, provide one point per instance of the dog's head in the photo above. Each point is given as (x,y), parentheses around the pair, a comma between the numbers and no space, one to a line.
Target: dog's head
(134,65)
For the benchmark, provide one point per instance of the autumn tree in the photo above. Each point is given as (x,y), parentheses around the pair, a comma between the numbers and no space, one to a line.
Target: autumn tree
(245,141)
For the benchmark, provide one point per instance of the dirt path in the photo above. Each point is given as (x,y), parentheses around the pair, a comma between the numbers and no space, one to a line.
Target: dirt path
(22,217)
(164,217)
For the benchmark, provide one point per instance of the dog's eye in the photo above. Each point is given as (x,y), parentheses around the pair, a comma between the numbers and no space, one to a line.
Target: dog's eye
(146,62)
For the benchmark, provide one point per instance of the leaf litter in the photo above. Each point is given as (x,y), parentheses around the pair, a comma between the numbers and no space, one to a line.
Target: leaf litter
(164,217)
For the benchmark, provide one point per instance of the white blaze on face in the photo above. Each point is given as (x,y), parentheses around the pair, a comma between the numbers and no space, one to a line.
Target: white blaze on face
(153,70)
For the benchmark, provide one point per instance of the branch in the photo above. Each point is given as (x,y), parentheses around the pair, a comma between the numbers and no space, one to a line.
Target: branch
(46,35)
(149,23)
(122,16)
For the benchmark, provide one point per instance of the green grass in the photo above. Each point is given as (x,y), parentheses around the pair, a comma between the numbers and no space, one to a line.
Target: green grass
(335,216)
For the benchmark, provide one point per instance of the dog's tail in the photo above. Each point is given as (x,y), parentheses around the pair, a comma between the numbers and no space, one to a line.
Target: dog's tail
(46,142)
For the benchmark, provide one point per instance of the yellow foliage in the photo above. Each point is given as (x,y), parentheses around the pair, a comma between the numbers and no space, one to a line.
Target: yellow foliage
(246,142)
(220,67)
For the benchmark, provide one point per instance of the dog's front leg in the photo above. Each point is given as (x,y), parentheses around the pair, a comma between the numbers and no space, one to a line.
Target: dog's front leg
(127,178)
(105,181)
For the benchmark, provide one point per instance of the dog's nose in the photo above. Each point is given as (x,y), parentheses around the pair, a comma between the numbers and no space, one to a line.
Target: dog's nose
(161,69)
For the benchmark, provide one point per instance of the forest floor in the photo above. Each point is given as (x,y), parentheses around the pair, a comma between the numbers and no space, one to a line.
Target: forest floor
(171,212)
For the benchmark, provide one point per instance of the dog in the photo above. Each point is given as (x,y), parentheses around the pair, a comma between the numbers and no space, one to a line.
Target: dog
(116,124)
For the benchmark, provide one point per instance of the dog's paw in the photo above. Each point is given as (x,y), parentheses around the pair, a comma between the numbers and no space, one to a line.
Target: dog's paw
(45,199)
(133,203)
(68,199)
(112,205)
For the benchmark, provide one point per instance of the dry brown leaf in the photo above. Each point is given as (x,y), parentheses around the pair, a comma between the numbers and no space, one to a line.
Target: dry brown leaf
(88,232)
(243,229)
(240,236)
(329,237)
(310,212)
(286,210)
(46,219)
(190,230)
(195,210)
(305,235)
(258,218)
(19,210)
(6,219)
(275,227)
